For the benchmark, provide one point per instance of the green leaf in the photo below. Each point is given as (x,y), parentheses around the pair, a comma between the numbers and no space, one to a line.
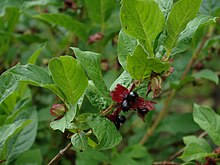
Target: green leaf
(33,58)
(21,105)
(96,98)
(92,156)
(31,157)
(182,12)
(140,66)
(208,120)
(178,123)
(67,74)
(8,84)
(91,63)
(142,19)
(165,6)
(131,154)
(66,22)
(64,122)
(7,131)
(12,3)
(79,141)
(210,7)
(126,46)
(207,74)
(105,131)
(200,141)
(24,139)
(187,34)
(194,151)
(124,79)
(99,10)
(35,75)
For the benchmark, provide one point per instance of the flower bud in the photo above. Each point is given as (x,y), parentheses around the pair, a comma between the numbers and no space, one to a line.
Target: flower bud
(58,110)
(156,83)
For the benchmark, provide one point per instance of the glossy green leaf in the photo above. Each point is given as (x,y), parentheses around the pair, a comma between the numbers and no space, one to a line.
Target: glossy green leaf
(91,63)
(79,141)
(126,46)
(140,66)
(96,98)
(21,106)
(124,79)
(105,131)
(35,75)
(202,142)
(181,13)
(187,34)
(65,121)
(66,22)
(207,74)
(24,139)
(165,6)
(69,76)
(99,10)
(7,131)
(8,84)
(208,120)
(194,151)
(142,19)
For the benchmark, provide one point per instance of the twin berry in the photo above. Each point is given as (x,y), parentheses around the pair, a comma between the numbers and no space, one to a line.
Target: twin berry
(126,103)
(128,100)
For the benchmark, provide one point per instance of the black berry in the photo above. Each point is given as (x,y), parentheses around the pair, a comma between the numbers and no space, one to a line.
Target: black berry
(143,112)
(132,96)
(121,119)
(125,106)
(117,124)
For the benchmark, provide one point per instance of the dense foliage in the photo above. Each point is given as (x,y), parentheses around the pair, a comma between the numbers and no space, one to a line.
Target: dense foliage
(125,82)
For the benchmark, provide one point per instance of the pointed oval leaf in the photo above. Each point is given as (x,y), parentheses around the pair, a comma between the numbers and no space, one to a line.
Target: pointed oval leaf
(8,84)
(105,131)
(142,19)
(140,66)
(181,13)
(69,76)
(66,22)
(79,141)
(99,10)
(185,37)
(126,46)
(96,98)
(207,74)
(208,120)
(91,63)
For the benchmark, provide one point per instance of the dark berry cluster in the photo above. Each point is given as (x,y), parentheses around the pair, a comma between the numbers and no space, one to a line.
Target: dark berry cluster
(128,100)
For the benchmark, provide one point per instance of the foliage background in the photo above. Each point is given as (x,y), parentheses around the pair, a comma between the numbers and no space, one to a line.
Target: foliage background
(29,32)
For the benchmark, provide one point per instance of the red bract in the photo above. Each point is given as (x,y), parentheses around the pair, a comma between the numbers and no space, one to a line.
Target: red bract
(143,104)
(119,93)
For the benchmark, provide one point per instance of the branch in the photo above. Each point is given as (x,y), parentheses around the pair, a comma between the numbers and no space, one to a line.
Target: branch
(60,154)
(165,163)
